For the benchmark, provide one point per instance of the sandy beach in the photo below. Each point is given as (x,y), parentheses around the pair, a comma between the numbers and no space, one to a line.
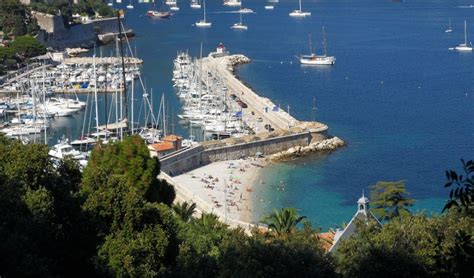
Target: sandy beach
(226,185)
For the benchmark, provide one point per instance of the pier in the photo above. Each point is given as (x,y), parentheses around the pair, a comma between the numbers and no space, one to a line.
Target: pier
(261,111)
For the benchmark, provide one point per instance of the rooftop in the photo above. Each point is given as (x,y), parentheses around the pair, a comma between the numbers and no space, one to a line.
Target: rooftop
(162,146)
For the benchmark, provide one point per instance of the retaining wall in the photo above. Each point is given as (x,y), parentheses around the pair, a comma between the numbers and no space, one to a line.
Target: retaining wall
(186,160)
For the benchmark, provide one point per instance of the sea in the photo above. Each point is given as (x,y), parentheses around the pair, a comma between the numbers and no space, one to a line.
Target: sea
(402,101)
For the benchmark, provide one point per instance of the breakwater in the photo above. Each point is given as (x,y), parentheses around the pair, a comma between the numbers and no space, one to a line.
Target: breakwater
(264,144)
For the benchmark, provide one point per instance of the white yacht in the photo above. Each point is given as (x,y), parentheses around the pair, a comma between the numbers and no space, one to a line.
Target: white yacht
(269,7)
(449,29)
(174,8)
(204,22)
(232,3)
(299,12)
(245,11)
(170,2)
(195,4)
(63,149)
(464,46)
(130,6)
(314,59)
(239,25)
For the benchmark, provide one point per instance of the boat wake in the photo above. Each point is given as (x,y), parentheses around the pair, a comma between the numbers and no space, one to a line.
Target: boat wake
(465,7)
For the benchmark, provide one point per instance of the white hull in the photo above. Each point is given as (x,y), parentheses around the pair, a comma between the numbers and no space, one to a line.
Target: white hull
(233,3)
(203,24)
(463,48)
(298,13)
(318,60)
(175,8)
(129,7)
(269,7)
(246,11)
(448,30)
(238,26)
(195,6)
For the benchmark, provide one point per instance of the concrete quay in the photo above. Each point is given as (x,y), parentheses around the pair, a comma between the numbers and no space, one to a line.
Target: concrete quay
(260,110)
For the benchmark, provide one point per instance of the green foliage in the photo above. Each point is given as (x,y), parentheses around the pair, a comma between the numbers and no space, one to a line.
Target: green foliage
(130,160)
(389,200)
(27,46)
(43,232)
(15,18)
(185,210)
(410,246)
(461,197)
(283,222)
(299,255)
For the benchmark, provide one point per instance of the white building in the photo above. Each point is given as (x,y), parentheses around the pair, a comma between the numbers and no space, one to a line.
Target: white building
(363,213)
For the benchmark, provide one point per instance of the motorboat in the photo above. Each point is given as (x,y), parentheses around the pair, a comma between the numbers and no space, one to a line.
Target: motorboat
(158,14)
(269,7)
(232,3)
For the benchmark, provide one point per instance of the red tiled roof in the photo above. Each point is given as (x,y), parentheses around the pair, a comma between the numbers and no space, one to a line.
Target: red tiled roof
(162,146)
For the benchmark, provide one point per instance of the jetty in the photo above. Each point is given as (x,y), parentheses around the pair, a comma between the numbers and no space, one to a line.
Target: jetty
(276,134)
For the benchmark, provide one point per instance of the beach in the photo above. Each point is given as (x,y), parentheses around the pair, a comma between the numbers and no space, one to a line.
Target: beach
(226,185)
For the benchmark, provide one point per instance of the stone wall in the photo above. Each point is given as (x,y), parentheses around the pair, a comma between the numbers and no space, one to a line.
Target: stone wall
(192,158)
(54,34)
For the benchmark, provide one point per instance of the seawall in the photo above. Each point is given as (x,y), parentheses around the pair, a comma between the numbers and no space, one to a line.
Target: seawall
(203,154)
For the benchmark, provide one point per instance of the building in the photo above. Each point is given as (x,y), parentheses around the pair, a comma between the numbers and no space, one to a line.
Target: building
(363,214)
(169,144)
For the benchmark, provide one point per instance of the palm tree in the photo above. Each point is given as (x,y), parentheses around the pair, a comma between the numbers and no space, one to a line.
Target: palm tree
(185,210)
(283,221)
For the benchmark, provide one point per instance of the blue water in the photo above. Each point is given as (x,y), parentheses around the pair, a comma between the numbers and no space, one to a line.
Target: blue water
(397,95)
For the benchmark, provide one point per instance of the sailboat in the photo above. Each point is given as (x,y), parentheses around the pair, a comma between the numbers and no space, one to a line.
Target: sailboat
(449,30)
(118,1)
(203,22)
(130,6)
(239,25)
(464,46)
(314,59)
(110,4)
(195,4)
(299,12)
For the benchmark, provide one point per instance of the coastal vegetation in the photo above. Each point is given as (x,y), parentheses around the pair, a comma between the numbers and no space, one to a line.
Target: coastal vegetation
(18,53)
(16,19)
(117,220)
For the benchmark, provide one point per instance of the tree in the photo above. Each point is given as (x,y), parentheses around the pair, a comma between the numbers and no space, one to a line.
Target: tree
(185,210)
(27,46)
(410,246)
(461,197)
(284,221)
(130,159)
(389,200)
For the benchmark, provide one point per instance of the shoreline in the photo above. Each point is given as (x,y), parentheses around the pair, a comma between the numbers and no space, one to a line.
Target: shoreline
(228,186)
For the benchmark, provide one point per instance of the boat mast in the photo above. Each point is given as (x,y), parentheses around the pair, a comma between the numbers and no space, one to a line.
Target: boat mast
(123,66)
(132,104)
(300,6)
(205,11)
(324,42)
(310,45)
(465,33)
(95,97)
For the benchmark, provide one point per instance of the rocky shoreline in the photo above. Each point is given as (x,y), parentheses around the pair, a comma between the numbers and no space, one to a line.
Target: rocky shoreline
(235,60)
(327,145)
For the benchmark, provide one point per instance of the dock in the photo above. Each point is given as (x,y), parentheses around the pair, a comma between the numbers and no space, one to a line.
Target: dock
(101,61)
(261,113)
